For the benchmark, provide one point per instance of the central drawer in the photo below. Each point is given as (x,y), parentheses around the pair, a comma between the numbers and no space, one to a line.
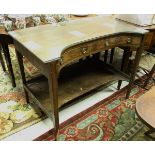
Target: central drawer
(80,51)
(85,49)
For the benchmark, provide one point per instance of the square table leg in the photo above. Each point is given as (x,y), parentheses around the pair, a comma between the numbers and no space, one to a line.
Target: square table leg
(1,60)
(112,55)
(8,62)
(125,63)
(21,66)
(53,88)
(53,92)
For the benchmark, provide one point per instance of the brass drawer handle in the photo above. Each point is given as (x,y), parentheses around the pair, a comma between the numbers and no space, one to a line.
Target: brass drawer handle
(84,50)
(129,40)
(106,43)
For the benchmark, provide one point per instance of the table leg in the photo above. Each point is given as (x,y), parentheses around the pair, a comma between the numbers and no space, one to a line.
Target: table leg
(135,65)
(112,55)
(105,56)
(53,91)
(2,61)
(124,65)
(21,66)
(8,62)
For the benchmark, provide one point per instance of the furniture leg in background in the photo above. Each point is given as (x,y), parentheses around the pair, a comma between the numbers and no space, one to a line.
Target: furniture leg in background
(53,91)
(21,66)
(112,55)
(8,62)
(136,64)
(125,63)
(105,56)
(1,60)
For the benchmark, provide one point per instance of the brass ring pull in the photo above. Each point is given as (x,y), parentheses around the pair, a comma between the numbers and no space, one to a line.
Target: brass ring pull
(106,43)
(129,40)
(84,50)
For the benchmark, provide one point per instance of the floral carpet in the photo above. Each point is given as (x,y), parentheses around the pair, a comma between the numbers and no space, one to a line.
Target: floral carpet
(15,115)
(112,119)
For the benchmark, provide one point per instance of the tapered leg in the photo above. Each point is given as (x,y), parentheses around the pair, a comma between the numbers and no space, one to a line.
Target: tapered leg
(112,55)
(105,56)
(2,61)
(53,91)
(21,66)
(124,65)
(135,67)
(8,62)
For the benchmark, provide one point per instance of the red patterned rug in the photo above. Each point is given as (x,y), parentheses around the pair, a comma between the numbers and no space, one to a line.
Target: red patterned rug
(113,119)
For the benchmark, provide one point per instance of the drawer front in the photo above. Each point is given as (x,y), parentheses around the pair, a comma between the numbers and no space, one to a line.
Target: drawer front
(92,47)
(81,51)
(114,42)
(122,40)
(148,40)
(76,53)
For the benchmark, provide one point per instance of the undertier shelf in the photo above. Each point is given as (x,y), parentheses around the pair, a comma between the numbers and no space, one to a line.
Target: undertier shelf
(74,81)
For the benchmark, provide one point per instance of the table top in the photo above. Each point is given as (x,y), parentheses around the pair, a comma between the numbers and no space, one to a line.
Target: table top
(47,42)
(145,107)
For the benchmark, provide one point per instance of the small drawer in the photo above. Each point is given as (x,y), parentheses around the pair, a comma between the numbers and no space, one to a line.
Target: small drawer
(135,41)
(85,49)
(123,40)
(75,53)
(148,39)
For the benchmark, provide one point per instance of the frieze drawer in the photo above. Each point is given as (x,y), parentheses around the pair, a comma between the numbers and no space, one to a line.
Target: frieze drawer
(122,40)
(75,53)
(79,51)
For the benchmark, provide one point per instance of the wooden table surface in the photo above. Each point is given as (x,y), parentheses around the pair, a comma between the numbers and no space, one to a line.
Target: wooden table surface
(145,107)
(48,42)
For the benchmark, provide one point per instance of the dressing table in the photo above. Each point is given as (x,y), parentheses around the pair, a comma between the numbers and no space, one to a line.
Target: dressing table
(55,50)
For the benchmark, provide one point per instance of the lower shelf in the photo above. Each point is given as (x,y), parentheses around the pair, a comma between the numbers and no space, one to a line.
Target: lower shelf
(74,81)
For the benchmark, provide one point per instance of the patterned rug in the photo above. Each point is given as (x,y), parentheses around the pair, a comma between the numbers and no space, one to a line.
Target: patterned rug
(15,115)
(112,119)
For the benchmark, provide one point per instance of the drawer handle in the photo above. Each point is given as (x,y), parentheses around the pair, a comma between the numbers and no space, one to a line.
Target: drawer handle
(84,50)
(129,40)
(61,61)
(106,43)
